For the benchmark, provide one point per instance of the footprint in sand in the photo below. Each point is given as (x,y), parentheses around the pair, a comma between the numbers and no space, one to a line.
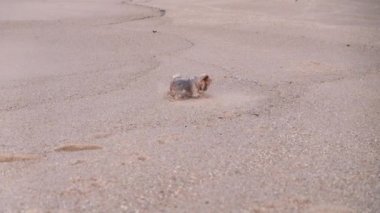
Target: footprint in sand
(7,158)
(77,147)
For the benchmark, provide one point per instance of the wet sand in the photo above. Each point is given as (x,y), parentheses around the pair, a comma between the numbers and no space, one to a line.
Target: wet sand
(291,122)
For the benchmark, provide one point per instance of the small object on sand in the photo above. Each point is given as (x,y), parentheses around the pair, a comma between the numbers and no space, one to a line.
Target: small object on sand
(154,31)
(182,87)
(348,45)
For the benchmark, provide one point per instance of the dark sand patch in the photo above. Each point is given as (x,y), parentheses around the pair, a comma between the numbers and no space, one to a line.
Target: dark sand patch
(77,147)
(142,158)
(7,158)
(102,135)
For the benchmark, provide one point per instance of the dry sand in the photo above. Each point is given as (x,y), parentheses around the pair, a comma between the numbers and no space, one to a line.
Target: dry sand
(290,124)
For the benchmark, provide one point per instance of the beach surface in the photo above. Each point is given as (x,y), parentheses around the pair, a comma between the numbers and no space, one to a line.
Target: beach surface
(291,122)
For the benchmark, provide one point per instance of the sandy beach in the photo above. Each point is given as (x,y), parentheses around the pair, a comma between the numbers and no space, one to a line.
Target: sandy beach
(291,122)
